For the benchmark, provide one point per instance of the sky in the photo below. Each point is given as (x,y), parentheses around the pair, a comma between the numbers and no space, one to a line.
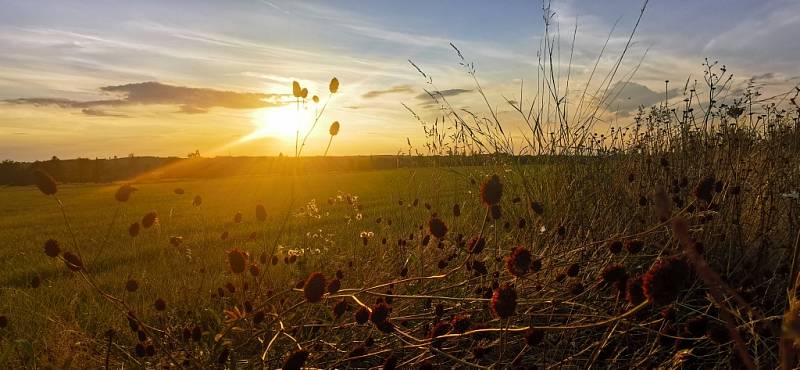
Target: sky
(166,78)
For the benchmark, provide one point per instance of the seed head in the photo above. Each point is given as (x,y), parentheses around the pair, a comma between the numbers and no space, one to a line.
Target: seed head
(519,261)
(314,287)
(254,270)
(45,182)
(615,246)
(334,85)
(476,244)
(634,246)
(160,304)
(124,193)
(665,280)
(460,323)
(504,301)
(295,360)
(131,285)
(51,248)
(362,315)
(334,129)
(496,212)
(613,274)
(380,313)
(149,219)
(437,227)
(340,307)
(704,190)
(72,261)
(456,210)
(36,282)
(237,261)
(491,191)
(197,201)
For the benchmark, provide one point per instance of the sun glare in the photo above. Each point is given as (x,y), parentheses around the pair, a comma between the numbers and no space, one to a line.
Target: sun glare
(280,123)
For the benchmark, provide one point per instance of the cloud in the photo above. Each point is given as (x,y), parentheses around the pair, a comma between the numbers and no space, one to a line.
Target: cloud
(444,93)
(630,96)
(190,100)
(391,90)
(100,113)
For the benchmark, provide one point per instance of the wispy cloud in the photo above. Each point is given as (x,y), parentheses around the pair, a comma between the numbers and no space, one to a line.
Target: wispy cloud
(188,99)
(392,90)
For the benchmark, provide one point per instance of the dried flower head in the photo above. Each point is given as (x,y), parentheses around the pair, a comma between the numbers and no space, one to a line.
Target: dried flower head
(380,313)
(615,246)
(197,201)
(160,304)
(46,183)
(519,261)
(496,212)
(314,287)
(437,227)
(297,91)
(333,87)
(72,261)
(634,291)
(334,285)
(665,279)
(362,315)
(533,337)
(237,260)
(149,219)
(491,191)
(124,192)
(634,246)
(504,301)
(613,274)
(296,360)
(51,248)
(334,129)
(131,285)
(456,210)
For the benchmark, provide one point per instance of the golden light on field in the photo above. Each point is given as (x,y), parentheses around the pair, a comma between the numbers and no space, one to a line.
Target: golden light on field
(280,123)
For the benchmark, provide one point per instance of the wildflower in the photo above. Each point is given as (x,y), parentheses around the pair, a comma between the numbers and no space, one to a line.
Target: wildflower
(295,360)
(441,328)
(133,230)
(261,213)
(519,261)
(504,301)
(665,279)
(51,248)
(237,261)
(476,244)
(72,261)
(124,192)
(437,227)
(254,270)
(45,182)
(314,287)
(296,90)
(149,219)
(491,191)
(160,304)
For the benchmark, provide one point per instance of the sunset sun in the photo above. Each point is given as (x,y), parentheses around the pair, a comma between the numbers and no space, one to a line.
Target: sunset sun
(280,122)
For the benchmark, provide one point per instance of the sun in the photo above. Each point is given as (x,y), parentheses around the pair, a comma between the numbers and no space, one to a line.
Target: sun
(280,122)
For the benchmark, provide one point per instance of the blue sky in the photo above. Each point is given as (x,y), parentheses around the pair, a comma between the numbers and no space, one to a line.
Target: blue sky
(70,50)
